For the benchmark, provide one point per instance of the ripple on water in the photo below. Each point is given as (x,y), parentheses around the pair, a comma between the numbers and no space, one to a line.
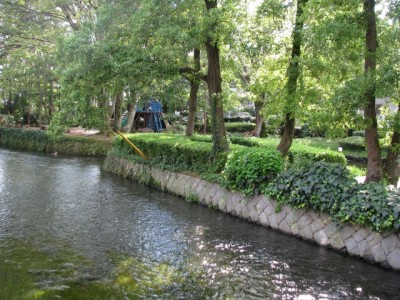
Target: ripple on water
(149,243)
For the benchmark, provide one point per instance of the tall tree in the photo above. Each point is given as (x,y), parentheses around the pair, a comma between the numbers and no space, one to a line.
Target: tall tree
(389,85)
(374,164)
(293,74)
(391,165)
(28,33)
(194,77)
(214,83)
(255,50)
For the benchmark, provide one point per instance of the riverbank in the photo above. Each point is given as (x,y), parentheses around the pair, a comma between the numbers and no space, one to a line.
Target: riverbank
(76,142)
(381,248)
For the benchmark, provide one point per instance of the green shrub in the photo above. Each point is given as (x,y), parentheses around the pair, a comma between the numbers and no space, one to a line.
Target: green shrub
(320,186)
(296,153)
(331,189)
(33,140)
(309,131)
(353,143)
(248,142)
(250,170)
(215,178)
(199,127)
(356,171)
(177,128)
(273,124)
(177,151)
(7,121)
(239,126)
(359,133)
(41,141)
(302,152)
(373,205)
(201,138)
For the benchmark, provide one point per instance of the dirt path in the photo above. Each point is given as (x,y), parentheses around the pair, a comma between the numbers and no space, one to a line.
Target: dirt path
(90,133)
(79,131)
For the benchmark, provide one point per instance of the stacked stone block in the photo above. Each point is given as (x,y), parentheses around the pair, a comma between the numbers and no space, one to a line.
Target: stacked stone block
(382,248)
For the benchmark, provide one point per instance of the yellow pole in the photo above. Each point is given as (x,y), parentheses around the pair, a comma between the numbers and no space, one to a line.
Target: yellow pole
(132,144)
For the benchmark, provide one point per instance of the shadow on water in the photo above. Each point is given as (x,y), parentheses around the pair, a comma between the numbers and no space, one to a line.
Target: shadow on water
(70,230)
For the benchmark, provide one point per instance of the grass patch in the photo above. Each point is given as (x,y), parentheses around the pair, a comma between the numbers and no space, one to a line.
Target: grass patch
(333,145)
(356,171)
(330,144)
(298,151)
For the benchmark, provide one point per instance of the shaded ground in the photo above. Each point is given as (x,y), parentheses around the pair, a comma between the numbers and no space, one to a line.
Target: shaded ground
(91,133)
(79,131)
(82,131)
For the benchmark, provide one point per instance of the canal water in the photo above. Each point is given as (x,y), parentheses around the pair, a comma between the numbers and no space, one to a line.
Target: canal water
(69,230)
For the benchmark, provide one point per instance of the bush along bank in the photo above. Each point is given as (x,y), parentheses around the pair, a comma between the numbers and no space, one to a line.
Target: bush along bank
(329,188)
(41,141)
(308,224)
(193,153)
(311,194)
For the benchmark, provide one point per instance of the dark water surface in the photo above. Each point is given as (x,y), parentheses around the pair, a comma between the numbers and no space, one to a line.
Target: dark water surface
(66,227)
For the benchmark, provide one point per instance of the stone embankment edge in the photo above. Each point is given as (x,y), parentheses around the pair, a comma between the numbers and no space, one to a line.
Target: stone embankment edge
(380,248)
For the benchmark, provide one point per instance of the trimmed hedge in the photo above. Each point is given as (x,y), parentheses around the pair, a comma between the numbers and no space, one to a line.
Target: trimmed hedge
(353,143)
(31,140)
(231,127)
(297,152)
(245,169)
(314,184)
(248,142)
(302,152)
(176,151)
(41,141)
(359,133)
(240,127)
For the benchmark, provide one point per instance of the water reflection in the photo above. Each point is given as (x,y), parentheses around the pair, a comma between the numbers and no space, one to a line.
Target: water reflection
(191,251)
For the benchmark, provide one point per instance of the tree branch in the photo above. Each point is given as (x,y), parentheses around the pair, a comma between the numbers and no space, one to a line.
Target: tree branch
(33,39)
(186,71)
(24,9)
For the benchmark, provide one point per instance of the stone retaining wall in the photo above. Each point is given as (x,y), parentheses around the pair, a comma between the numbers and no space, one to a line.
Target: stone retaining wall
(307,224)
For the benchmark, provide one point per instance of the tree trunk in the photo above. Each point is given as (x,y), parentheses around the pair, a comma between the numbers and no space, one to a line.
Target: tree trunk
(291,86)
(68,13)
(205,122)
(4,98)
(131,117)
(118,110)
(40,106)
(133,99)
(259,117)
(391,166)
(51,99)
(374,163)
(9,106)
(28,117)
(258,104)
(107,111)
(194,88)
(29,105)
(214,83)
